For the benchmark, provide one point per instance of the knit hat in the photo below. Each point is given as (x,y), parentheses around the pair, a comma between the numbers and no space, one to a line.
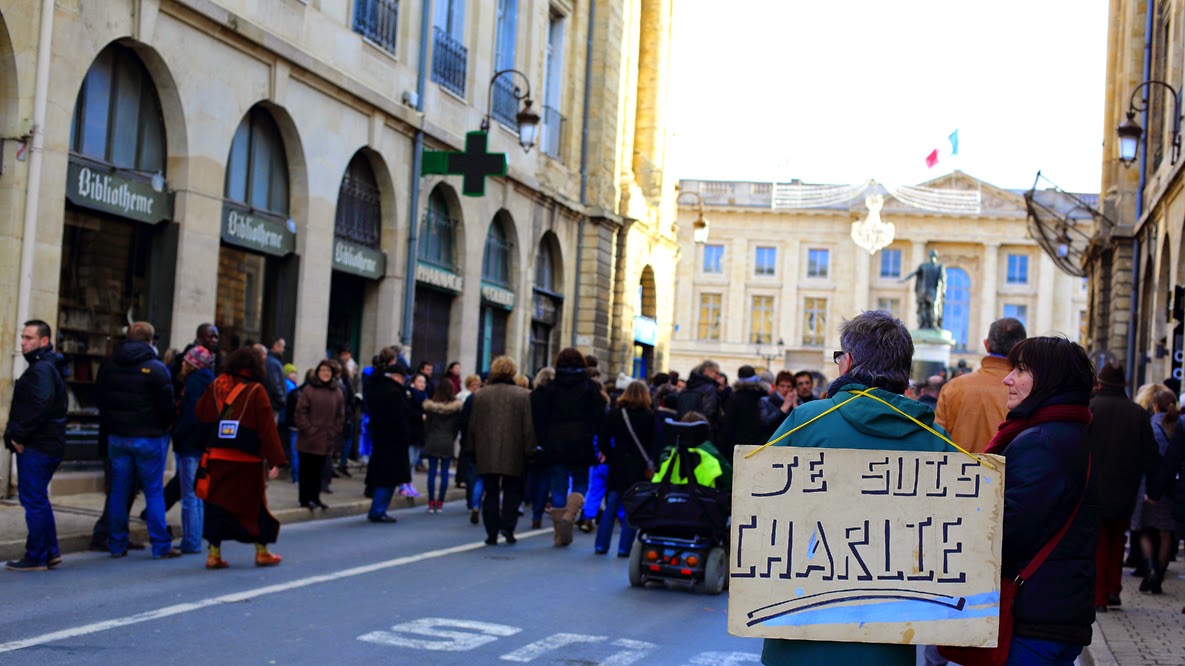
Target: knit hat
(199,357)
(289,368)
(1112,375)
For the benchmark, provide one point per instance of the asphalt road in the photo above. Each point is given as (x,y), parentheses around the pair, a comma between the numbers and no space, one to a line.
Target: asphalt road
(423,591)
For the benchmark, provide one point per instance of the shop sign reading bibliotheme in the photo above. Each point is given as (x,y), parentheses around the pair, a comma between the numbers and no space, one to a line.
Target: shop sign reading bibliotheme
(358,259)
(497,295)
(438,277)
(112,192)
(257,231)
(866,546)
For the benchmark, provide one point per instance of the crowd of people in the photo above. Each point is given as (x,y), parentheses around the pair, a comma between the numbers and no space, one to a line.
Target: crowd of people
(1087,465)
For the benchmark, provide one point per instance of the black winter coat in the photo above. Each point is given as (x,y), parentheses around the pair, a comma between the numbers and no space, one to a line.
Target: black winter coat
(135,392)
(37,417)
(275,381)
(1170,479)
(700,395)
(626,464)
(1124,449)
(742,422)
(387,401)
(568,413)
(1044,479)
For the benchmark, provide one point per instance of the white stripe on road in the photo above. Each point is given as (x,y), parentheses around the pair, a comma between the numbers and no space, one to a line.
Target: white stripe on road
(246,595)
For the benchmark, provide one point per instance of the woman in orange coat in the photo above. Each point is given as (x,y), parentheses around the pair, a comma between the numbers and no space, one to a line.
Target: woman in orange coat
(244,438)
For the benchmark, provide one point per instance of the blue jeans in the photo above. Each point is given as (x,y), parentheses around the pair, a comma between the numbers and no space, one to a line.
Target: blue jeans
(381,502)
(293,458)
(347,448)
(614,509)
(566,479)
(364,441)
(538,489)
(193,510)
(35,469)
(477,484)
(598,480)
(1034,652)
(433,463)
(143,457)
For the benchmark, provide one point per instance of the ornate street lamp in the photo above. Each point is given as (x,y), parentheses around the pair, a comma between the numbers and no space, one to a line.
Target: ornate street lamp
(699,228)
(526,120)
(1130,131)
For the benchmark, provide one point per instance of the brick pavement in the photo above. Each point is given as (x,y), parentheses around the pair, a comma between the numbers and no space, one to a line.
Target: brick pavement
(1146,630)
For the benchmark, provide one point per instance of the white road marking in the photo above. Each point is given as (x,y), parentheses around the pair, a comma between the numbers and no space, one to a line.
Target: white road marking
(724,659)
(459,641)
(235,597)
(550,644)
(635,651)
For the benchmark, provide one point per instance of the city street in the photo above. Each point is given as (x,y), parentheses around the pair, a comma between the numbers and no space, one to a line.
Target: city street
(423,591)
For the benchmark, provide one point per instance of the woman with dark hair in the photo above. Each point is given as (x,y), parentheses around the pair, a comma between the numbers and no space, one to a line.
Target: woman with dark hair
(442,422)
(568,414)
(320,412)
(1046,499)
(453,374)
(628,446)
(244,436)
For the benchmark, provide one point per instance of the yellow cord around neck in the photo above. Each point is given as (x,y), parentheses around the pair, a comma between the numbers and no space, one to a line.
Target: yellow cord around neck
(867,394)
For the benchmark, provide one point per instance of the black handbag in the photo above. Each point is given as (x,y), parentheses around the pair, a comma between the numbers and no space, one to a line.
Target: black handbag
(677,508)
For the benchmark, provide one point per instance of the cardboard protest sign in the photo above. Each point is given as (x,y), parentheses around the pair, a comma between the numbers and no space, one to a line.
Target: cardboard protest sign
(866,546)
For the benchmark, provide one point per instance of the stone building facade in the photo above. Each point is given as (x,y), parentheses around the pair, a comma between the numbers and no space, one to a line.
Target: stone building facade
(1136,263)
(771,285)
(254,164)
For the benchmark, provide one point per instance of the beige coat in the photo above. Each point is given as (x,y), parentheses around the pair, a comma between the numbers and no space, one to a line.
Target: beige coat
(972,406)
(500,432)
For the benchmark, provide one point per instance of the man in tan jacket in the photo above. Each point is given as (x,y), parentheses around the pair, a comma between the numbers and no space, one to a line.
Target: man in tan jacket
(971,406)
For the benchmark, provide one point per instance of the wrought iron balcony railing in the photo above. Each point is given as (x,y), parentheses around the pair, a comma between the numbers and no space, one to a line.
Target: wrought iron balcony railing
(450,59)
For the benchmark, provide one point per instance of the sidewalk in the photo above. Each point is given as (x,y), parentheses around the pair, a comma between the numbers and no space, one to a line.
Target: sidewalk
(1147,629)
(75,515)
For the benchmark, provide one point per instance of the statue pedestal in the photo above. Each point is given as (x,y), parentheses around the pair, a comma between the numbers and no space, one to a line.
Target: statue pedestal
(931,352)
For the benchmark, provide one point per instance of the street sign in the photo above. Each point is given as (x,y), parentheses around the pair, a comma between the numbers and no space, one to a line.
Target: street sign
(473,165)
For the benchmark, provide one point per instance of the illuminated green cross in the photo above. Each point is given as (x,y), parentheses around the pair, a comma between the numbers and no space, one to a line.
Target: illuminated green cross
(473,165)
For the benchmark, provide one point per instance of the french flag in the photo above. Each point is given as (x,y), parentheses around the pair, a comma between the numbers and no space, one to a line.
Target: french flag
(934,155)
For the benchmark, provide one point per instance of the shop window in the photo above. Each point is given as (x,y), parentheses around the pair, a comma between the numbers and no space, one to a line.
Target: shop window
(814,322)
(547,306)
(117,117)
(436,237)
(359,214)
(956,306)
(709,316)
(495,264)
(257,168)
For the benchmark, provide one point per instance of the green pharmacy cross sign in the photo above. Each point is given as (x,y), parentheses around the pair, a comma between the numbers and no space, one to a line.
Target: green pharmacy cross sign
(473,165)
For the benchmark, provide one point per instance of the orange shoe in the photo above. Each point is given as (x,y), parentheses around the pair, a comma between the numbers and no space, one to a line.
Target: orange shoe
(213,562)
(266,559)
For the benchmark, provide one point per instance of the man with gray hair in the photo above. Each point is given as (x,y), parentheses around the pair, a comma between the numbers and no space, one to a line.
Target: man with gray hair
(876,356)
(972,406)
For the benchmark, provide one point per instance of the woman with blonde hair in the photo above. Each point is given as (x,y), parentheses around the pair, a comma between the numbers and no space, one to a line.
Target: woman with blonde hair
(1153,521)
(628,446)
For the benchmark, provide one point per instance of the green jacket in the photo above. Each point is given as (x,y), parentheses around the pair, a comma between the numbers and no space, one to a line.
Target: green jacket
(863,423)
(715,473)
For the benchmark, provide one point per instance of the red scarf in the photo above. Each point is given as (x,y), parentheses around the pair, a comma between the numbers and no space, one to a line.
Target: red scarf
(1011,428)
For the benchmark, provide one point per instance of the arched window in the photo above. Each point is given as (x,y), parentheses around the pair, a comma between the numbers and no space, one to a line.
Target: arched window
(117,117)
(257,168)
(956,306)
(545,269)
(495,264)
(359,215)
(436,238)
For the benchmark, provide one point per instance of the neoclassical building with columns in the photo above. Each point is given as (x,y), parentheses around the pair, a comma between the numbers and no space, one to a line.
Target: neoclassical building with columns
(771,285)
(254,164)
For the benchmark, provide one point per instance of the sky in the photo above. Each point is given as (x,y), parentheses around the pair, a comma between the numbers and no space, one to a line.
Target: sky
(843,92)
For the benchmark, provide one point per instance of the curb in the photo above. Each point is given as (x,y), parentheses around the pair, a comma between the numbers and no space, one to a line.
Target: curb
(1098,653)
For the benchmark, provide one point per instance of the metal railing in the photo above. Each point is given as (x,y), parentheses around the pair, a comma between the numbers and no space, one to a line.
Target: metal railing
(436,240)
(554,133)
(449,61)
(378,21)
(358,215)
(504,106)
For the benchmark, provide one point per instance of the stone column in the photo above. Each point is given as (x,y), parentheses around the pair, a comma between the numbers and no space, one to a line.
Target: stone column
(791,306)
(735,308)
(987,292)
(859,297)
(1045,282)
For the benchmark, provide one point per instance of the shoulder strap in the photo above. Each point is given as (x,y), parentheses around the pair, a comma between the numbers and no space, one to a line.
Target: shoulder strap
(1047,549)
(231,398)
(630,427)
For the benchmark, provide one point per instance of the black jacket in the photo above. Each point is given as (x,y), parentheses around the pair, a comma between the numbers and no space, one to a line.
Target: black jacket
(135,392)
(37,418)
(275,382)
(189,435)
(1124,449)
(568,413)
(626,464)
(700,395)
(387,400)
(1044,479)
(1170,479)
(742,422)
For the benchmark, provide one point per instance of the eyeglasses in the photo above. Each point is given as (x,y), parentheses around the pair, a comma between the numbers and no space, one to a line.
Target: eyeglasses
(836,355)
